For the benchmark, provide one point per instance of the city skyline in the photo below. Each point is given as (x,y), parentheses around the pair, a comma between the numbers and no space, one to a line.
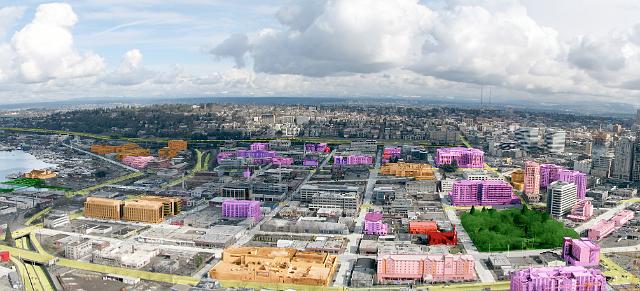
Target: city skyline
(515,50)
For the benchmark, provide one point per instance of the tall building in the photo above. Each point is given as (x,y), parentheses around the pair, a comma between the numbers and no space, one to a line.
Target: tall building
(561,196)
(601,165)
(143,211)
(489,192)
(580,252)
(532,181)
(528,138)
(464,157)
(635,165)
(103,208)
(623,159)
(576,177)
(425,268)
(554,140)
(548,174)
(241,209)
(573,278)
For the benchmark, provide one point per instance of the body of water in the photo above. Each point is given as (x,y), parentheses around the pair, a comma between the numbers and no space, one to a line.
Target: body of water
(19,162)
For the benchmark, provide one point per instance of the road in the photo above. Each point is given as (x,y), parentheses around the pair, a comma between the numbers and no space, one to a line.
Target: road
(607,215)
(101,158)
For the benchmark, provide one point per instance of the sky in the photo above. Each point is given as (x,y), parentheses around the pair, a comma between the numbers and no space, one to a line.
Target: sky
(534,50)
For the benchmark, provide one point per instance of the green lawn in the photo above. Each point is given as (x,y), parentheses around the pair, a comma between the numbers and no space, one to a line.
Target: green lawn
(514,229)
(29,182)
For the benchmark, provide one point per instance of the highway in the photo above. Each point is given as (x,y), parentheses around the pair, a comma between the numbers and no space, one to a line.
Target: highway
(101,157)
(35,276)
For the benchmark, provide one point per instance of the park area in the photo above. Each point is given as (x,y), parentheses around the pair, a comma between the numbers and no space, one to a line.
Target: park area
(514,229)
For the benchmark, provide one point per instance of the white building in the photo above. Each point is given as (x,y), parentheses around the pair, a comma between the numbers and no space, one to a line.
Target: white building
(528,137)
(554,140)
(561,196)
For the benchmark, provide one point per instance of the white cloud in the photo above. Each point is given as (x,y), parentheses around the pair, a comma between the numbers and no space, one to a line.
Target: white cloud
(130,72)
(234,46)
(8,16)
(44,48)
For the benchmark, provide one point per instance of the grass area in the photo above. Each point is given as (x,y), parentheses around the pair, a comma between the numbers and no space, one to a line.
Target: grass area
(514,229)
(6,190)
(35,183)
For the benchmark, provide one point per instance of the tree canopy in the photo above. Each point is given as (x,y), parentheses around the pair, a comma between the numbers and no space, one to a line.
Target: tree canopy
(514,229)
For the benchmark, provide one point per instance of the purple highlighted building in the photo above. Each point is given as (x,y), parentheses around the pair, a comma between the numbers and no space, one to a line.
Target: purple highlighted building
(580,252)
(549,174)
(259,146)
(464,157)
(310,161)
(315,147)
(282,161)
(572,278)
(467,193)
(373,224)
(575,177)
(352,160)
(241,209)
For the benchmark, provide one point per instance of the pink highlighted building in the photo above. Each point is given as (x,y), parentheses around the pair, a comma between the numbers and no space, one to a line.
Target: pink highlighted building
(352,160)
(424,268)
(310,161)
(137,162)
(603,228)
(259,146)
(391,153)
(467,193)
(582,211)
(464,157)
(225,155)
(575,177)
(532,179)
(241,209)
(573,278)
(548,174)
(580,252)
(373,224)
(315,147)
(282,161)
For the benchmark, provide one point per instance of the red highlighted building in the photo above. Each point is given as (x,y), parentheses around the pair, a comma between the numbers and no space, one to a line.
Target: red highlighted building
(434,235)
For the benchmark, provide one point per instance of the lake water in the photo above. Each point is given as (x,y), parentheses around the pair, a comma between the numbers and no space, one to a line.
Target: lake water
(19,161)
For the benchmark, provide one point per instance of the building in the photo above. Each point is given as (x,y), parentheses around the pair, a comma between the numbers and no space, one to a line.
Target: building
(582,211)
(554,140)
(137,162)
(467,193)
(601,165)
(583,166)
(352,160)
(532,181)
(517,179)
(177,144)
(307,191)
(419,172)
(241,209)
(635,164)
(464,157)
(548,174)
(170,205)
(349,202)
(55,220)
(373,224)
(603,228)
(77,249)
(41,174)
(103,208)
(572,278)
(623,159)
(528,138)
(580,252)
(422,227)
(424,268)
(575,177)
(275,265)
(561,196)
(143,211)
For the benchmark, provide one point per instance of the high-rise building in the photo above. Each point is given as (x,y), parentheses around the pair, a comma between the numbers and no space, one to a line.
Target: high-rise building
(576,177)
(532,181)
(638,116)
(488,192)
(528,138)
(554,140)
(601,165)
(464,157)
(572,278)
(580,252)
(635,165)
(548,174)
(623,159)
(103,208)
(561,196)
(425,268)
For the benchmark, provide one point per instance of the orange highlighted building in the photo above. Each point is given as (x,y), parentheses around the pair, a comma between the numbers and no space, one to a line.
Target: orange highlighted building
(128,149)
(517,179)
(172,149)
(170,205)
(41,174)
(420,172)
(143,211)
(275,265)
(103,208)
(422,227)
(177,144)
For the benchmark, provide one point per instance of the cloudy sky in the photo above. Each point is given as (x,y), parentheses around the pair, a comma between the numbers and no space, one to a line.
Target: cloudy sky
(548,50)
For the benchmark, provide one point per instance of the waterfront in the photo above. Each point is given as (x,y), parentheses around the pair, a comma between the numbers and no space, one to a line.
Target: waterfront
(12,162)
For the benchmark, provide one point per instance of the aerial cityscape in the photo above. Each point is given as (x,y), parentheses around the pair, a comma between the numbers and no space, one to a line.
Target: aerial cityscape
(337,145)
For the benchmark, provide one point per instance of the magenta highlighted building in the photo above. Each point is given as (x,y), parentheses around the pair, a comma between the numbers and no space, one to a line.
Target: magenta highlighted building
(373,224)
(582,211)
(464,157)
(309,161)
(549,174)
(352,160)
(259,146)
(391,153)
(315,147)
(603,228)
(241,209)
(575,177)
(468,193)
(424,268)
(137,162)
(282,161)
(572,278)
(580,252)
